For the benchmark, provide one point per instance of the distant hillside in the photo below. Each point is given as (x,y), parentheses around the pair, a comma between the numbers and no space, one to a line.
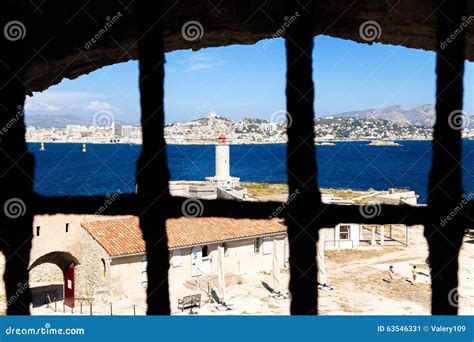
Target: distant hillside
(58,121)
(421,115)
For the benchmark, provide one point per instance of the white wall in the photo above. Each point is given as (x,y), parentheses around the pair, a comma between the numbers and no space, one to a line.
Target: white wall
(240,258)
(332,238)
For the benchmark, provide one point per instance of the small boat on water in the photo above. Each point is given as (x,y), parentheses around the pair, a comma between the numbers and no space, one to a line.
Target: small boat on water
(84,148)
(42,147)
(383,143)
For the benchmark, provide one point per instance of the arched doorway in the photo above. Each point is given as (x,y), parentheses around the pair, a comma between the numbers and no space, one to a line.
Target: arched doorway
(52,278)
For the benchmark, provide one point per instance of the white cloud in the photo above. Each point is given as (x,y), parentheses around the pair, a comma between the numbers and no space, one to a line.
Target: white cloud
(98,105)
(52,108)
(42,106)
(62,97)
(66,102)
(202,61)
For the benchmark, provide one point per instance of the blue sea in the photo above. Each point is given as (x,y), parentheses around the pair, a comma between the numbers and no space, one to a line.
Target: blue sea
(63,169)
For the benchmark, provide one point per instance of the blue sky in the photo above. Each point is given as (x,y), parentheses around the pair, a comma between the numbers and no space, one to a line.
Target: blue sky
(249,81)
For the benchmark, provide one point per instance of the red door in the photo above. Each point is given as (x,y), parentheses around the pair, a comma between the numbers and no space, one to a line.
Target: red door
(69,287)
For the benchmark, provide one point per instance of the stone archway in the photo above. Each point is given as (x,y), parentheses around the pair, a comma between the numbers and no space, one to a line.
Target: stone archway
(50,278)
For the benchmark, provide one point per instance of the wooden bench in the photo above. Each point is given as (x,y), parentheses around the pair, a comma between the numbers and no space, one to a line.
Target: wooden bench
(189,302)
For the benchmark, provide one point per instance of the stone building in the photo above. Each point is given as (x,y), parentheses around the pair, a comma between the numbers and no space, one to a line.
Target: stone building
(118,251)
(103,260)
(80,258)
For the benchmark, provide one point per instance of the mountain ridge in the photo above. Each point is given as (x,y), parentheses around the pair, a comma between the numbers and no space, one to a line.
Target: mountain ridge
(423,115)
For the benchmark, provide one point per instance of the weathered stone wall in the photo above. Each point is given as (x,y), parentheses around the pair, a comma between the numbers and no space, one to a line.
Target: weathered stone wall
(46,273)
(93,275)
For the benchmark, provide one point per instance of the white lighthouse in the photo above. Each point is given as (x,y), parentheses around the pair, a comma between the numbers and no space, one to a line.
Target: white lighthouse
(223,177)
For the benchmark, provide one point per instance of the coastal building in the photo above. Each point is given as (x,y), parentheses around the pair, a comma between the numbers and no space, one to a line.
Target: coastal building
(353,235)
(193,243)
(222,185)
(247,131)
(223,178)
(116,129)
(83,258)
(101,260)
(131,132)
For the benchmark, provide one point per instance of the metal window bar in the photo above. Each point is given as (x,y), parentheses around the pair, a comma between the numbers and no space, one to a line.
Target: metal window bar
(153,199)
(16,168)
(302,177)
(445,184)
(152,169)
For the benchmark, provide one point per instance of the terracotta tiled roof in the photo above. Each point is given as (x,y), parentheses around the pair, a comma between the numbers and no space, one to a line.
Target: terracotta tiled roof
(123,236)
